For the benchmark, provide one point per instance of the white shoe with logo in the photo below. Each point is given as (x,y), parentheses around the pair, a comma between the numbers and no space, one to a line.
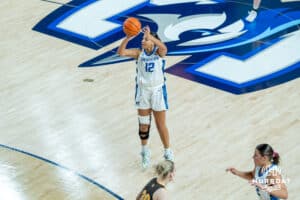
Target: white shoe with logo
(145,158)
(252,15)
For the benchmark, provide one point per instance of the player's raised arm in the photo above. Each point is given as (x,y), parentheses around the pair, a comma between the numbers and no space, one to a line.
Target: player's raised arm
(131,28)
(123,51)
(162,48)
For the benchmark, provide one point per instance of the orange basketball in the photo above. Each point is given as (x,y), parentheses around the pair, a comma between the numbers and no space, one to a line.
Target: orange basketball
(131,26)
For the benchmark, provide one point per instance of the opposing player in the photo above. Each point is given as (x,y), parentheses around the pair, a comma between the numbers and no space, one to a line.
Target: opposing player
(151,92)
(155,188)
(266,176)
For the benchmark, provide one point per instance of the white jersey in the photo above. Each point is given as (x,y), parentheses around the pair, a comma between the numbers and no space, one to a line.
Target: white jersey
(151,92)
(261,177)
(150,69)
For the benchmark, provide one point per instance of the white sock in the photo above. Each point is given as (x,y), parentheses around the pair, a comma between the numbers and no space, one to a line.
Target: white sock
(167,149)
(144,148)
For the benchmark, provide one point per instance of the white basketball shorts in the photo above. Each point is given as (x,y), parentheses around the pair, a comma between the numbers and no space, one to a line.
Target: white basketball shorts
(154,98)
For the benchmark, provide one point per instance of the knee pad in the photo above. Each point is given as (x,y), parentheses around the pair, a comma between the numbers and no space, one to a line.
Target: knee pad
(144,135)
(146,120)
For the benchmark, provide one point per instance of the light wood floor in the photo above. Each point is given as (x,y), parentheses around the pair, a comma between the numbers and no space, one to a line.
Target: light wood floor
(63,138)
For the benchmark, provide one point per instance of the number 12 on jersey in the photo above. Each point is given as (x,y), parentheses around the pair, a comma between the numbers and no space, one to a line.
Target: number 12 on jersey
(149,67)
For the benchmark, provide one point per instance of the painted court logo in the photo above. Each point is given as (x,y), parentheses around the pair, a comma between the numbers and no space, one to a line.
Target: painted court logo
(222,49)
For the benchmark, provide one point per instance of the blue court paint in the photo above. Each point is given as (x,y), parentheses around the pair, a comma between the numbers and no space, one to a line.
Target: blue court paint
(204,31)
(64,168)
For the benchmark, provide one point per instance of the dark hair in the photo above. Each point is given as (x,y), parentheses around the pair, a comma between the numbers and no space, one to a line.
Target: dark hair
(267,150)
(154,34)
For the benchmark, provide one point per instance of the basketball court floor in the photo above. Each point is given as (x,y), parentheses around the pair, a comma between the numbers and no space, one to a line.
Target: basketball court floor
(68,125)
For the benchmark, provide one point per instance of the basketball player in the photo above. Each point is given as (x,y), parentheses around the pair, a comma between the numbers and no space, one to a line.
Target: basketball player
(151,93)
(155,188)
(266,176)
(253,13)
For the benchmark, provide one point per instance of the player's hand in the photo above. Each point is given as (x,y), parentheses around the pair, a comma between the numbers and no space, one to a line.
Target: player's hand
(146,30)
(232,170)
(129,37)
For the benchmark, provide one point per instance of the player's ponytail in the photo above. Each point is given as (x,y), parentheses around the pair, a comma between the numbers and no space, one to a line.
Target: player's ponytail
(275,158)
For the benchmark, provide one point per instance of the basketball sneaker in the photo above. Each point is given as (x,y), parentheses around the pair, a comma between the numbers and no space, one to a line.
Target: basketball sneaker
(145,158)
(251,16)
(168,155)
